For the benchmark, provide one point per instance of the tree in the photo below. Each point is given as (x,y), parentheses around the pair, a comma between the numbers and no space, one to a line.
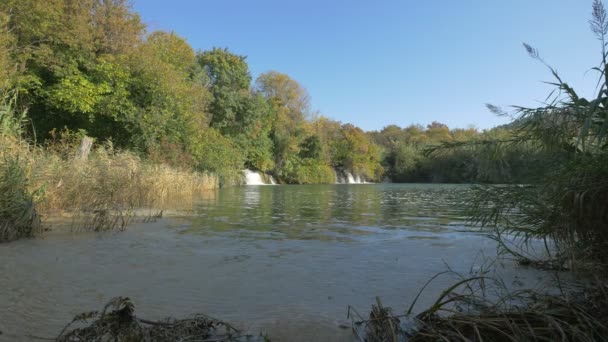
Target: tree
(62,59)
(290,104)
(353,150)
(229,84)
(169,101)
(438,132)
(6,45)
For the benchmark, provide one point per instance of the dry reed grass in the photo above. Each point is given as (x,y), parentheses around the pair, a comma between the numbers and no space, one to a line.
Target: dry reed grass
(482,308)
(19,216)
(100,191)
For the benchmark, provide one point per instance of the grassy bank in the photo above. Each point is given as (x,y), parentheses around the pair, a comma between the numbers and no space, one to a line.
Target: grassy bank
(102,187)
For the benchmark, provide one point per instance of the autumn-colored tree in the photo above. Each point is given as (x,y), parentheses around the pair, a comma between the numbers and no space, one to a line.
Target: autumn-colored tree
(90,66)
(353,150)
(290,105)
(438,132)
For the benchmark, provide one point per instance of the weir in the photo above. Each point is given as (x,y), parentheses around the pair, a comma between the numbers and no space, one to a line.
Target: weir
(255,178)
(251,177)
(346,177)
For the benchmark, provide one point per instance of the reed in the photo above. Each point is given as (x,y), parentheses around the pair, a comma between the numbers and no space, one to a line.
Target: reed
(568,204)
(99,187)
(18,215)
(104,189)
(108,176)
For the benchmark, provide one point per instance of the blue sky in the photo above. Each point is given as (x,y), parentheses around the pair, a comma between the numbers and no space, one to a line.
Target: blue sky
(374,63)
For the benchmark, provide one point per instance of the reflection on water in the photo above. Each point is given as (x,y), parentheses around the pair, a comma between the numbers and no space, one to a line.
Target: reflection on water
(331,211)
(287,260)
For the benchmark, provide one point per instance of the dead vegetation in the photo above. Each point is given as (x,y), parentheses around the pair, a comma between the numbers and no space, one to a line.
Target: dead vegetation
(118,322)
(481,308)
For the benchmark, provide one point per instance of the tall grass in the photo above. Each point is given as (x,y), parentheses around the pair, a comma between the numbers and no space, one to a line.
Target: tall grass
(569,205)
(18,214)
(118,177)
(104,189)
(99,189)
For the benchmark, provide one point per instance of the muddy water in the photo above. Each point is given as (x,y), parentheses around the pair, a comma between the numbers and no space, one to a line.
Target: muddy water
(284,260)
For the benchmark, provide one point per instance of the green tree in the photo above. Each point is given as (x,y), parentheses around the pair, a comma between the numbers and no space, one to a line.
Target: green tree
(229,84)
(353,150)
(290,105)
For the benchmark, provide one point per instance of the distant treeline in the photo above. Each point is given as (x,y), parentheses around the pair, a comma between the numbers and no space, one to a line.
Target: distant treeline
(438,154)
(91,68)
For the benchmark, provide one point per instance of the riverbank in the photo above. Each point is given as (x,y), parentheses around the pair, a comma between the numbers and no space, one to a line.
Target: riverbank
(482,308)
(286,261)
(100,184)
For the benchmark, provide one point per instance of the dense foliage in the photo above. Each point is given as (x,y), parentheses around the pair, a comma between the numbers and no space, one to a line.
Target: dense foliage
(436,153)
(92,67)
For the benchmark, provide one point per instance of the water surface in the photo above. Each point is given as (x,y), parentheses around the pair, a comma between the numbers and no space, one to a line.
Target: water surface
(285,260)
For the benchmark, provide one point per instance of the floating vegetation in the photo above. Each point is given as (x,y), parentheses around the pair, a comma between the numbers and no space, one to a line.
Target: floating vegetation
(118,322)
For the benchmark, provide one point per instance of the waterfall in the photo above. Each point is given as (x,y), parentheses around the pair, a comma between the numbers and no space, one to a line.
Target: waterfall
(252,178)
(349,177)
(256,178)
(345,177)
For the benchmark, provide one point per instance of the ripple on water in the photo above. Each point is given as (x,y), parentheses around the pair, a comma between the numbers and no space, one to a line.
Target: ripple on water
(287,260)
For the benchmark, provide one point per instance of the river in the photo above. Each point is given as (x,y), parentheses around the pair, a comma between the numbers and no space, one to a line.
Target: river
(283,260)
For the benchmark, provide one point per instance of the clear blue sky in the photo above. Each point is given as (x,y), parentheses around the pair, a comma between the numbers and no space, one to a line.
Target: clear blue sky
(374,63)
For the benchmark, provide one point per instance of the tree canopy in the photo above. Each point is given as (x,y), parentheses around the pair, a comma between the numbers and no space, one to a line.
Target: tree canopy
(92,67)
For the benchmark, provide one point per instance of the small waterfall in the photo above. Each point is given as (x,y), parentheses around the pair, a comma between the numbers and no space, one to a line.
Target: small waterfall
(349,178)
(257,178)
(345,177)
(252,178)
(339,179)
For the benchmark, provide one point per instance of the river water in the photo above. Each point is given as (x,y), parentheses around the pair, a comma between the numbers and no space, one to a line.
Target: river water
(283,260)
